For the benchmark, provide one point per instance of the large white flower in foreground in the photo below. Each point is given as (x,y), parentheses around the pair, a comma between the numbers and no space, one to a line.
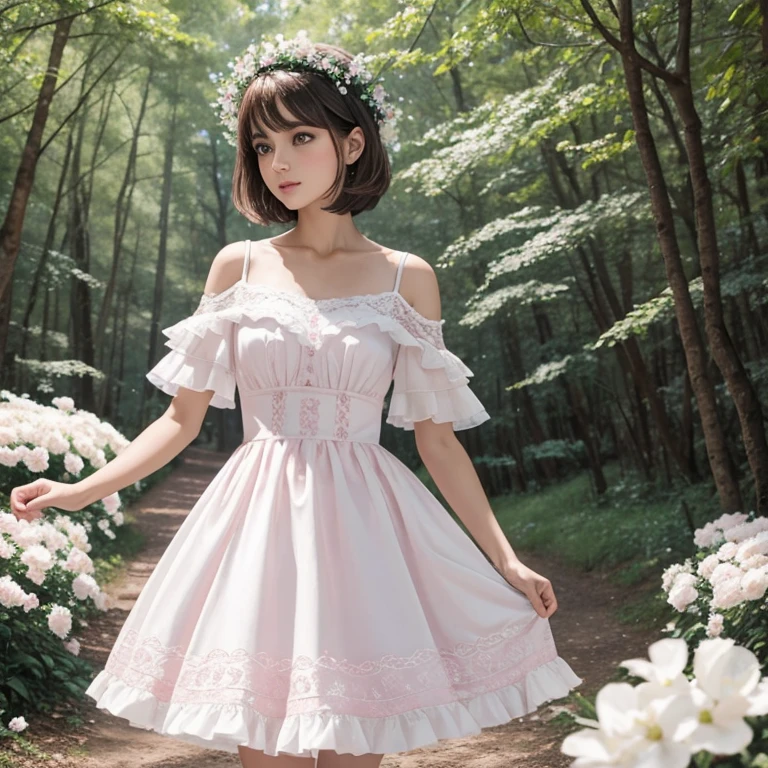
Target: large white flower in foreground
(664,671)
(726,689)
(636,730)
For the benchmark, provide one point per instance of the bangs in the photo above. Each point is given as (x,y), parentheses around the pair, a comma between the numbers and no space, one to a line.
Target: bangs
(259,109)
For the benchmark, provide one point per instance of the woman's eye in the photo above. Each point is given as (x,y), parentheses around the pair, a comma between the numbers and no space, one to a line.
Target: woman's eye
(257,147)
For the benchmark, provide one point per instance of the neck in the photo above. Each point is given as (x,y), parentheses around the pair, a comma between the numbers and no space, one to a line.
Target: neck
(325,234)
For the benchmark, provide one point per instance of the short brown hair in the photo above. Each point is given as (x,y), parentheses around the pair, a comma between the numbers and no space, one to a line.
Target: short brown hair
(314,100)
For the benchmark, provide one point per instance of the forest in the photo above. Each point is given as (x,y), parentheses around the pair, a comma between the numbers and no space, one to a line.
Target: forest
(589,182)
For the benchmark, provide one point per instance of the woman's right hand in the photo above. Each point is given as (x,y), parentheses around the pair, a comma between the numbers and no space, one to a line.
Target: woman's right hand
(28,501)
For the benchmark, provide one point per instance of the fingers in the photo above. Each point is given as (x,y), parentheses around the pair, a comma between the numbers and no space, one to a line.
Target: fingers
(538,605)
(545,603)
(549,600)
(23,500)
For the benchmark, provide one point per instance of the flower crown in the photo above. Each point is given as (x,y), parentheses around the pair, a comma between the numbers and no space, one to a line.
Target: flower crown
(301,55)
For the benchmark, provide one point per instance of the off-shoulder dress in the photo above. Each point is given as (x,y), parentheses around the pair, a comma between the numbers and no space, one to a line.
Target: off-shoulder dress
(318,595)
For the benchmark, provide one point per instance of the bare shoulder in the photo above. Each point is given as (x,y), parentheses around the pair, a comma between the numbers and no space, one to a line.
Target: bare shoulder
(226,268)
(420,288)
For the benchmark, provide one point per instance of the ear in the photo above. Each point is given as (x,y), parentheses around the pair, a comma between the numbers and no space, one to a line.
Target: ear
(354,144)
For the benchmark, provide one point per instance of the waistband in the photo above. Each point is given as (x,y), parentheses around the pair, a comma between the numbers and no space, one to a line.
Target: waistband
(311,412)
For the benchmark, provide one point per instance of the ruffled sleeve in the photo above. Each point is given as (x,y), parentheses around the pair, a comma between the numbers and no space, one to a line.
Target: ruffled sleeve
(430,382)
(201,356)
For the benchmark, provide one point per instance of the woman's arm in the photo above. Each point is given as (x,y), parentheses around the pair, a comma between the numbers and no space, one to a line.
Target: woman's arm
(149,451)
(453,472)
(152,449)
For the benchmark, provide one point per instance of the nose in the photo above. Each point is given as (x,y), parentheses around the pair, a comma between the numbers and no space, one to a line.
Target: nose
(279,164)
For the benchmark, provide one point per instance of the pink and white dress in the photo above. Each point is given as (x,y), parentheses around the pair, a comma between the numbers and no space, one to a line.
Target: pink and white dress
(318,596)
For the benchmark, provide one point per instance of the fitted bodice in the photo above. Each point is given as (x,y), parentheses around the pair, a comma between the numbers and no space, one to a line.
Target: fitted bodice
(333,388)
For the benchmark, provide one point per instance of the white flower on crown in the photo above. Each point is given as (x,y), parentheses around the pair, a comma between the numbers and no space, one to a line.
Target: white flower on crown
(388,133)
(301,51)
(304,45)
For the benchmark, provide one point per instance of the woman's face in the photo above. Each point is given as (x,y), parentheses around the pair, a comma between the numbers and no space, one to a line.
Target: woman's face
(304,154)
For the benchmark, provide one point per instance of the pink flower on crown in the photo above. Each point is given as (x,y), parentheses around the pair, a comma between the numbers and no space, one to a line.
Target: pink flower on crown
(304,45)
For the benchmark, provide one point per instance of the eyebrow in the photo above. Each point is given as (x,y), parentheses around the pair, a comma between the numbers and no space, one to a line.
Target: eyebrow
(257,135)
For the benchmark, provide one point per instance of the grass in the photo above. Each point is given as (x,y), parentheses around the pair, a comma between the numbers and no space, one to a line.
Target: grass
(632,532)
(633,525)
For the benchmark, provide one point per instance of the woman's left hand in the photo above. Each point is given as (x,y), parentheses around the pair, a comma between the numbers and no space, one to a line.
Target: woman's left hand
(535,587)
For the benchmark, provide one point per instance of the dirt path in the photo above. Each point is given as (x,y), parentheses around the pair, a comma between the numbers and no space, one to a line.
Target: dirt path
(587,637)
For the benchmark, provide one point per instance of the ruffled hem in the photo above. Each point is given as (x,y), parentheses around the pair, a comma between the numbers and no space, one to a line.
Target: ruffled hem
(459,405)
(226,726)
(178,369)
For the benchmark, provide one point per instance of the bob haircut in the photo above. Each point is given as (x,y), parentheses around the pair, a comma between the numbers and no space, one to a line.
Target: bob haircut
(313,100)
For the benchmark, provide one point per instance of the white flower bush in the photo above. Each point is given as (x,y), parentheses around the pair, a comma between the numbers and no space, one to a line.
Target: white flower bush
(726,581)
(47,586)
(669,719)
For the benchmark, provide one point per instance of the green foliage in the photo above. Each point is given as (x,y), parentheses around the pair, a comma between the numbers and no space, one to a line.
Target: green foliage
(38,674)
(661,308)
(548,372)
(633,522)
(568,452)
(565,230)
(513,296)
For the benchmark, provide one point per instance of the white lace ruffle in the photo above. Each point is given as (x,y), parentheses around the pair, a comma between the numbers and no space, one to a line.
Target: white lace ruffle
(225,726)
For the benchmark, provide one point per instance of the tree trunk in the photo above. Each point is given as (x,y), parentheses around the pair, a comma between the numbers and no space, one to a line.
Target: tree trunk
(122,214)
(162,253)
(517,370)
(47,245)
(723,350)
(695,354)
(10,232)
(127,309)
(81,335)
(639,371)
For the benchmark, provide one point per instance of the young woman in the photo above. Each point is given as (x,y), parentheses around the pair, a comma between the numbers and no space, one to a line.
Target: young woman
(318,606)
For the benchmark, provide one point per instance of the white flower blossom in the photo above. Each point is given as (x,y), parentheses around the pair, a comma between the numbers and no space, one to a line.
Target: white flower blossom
(60,620)
(17,724)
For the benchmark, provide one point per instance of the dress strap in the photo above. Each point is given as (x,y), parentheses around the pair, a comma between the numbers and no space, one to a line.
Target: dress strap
(247,260)
(396,289)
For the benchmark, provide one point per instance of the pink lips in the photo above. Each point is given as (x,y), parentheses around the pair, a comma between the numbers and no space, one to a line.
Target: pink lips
(287,187)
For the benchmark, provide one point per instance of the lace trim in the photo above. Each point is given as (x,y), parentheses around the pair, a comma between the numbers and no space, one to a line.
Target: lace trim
(261,297)
(279,687)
